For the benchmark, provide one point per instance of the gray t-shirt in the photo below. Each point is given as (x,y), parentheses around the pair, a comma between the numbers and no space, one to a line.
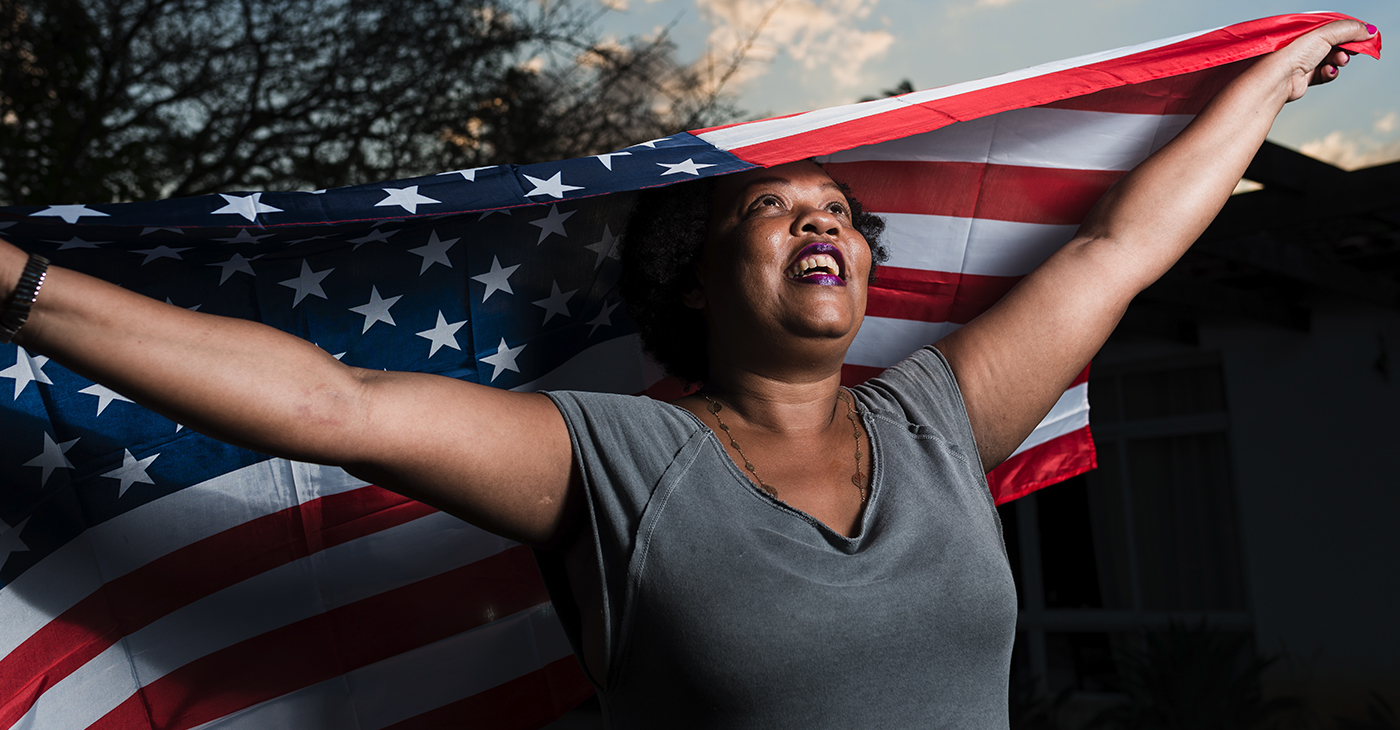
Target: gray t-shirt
(726,608)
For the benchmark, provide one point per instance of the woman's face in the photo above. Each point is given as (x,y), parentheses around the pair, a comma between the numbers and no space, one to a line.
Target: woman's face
(783,265)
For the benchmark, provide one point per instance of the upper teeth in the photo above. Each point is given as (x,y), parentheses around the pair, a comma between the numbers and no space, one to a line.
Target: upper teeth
(815,261)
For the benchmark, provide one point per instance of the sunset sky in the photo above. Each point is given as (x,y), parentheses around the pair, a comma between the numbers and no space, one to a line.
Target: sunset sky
(817,53)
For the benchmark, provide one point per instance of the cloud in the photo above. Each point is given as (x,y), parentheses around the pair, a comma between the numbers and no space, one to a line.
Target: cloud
(821,35)
(1354,150)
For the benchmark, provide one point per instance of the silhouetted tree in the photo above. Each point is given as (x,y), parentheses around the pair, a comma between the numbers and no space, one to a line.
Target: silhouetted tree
(106,100)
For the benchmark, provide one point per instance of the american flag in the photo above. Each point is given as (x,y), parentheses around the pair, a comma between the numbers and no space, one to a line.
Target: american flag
(152,577)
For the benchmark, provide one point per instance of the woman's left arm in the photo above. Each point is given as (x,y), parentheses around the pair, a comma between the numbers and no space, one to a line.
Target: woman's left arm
(1016,359)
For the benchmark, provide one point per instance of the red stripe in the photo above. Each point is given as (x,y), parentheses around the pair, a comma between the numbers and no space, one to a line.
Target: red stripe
(1045,195)
(126,604)
(523,703)
(1184,94)
(934,296)
(328,645)
(1040,466)
(1209,50)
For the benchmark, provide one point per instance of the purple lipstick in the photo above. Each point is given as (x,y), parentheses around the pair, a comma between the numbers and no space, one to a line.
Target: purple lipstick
(817,263)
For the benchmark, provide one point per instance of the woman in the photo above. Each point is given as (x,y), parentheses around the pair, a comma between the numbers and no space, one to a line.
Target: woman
(833,557)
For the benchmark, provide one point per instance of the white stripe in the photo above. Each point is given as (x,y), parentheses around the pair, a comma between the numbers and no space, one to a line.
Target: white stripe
(1070,413)
(970,245)
(89,693)
(1035,137)
(128,541)
(415,682)
(767,130)
(307,587)
(614,366)
(882,342)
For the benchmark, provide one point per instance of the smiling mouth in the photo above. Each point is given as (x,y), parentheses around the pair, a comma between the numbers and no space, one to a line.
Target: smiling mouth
(818,263)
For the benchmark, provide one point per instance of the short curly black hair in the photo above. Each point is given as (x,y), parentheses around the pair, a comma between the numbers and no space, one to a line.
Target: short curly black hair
(663,239)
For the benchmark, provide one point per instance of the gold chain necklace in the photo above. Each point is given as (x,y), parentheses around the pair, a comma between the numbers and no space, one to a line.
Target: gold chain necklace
(858,479)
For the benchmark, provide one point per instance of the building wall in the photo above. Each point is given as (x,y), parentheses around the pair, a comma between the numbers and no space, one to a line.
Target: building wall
(1315,436)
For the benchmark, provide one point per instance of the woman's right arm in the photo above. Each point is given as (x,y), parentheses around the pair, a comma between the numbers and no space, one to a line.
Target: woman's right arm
(451,444)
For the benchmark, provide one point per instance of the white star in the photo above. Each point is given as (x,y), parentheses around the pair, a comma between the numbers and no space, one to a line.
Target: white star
(377,310)
(651,144)
(27,369)
(236,264)
(689,167)
(69,213)
(161,252)
(604,318)
(606,247)
(406,198)
(606,158)
(52,458)
(435,252)
(309,282)
(553,187)
(248,206)
(144,231)
(243,236)
(504,359)
(552,222)
(555,303)
(105,396)
(374,236)
(444,334)
(10,542)
(469,175)
(76,242)
(497,279)
(131,471)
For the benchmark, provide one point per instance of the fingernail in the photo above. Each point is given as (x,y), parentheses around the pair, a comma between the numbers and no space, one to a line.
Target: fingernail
(1331,70)
(1370,29)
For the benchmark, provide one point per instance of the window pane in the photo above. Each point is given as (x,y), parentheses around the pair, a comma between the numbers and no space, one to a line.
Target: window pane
(1185,523)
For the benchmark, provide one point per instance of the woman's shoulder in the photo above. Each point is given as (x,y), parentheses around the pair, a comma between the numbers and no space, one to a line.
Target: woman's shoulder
(634,420)
(922,390)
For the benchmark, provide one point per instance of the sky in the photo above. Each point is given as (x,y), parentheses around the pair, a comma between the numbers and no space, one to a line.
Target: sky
(817,53)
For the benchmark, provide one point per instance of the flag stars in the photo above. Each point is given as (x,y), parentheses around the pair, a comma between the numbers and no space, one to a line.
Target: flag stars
(377,310)
(497,279)
(69,213)
(104,396)
(406,198)
(606,158)
(10,542)
(606,247)
(689,167)
(53,457)
(552,223)
(435,252)
(554,187)
(469,174)
(76,242)
(161,252)
(604,318)
(308,283)
(444,334)
(248,206)
(243,236)
(237,264)
(555,303)
(27,369)
(132,471)
(374,236)
(503,359)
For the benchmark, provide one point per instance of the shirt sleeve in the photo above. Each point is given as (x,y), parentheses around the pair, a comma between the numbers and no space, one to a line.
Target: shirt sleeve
(922,390)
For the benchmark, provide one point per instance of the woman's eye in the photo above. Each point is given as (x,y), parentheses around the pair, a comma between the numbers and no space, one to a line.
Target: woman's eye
(837,208)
